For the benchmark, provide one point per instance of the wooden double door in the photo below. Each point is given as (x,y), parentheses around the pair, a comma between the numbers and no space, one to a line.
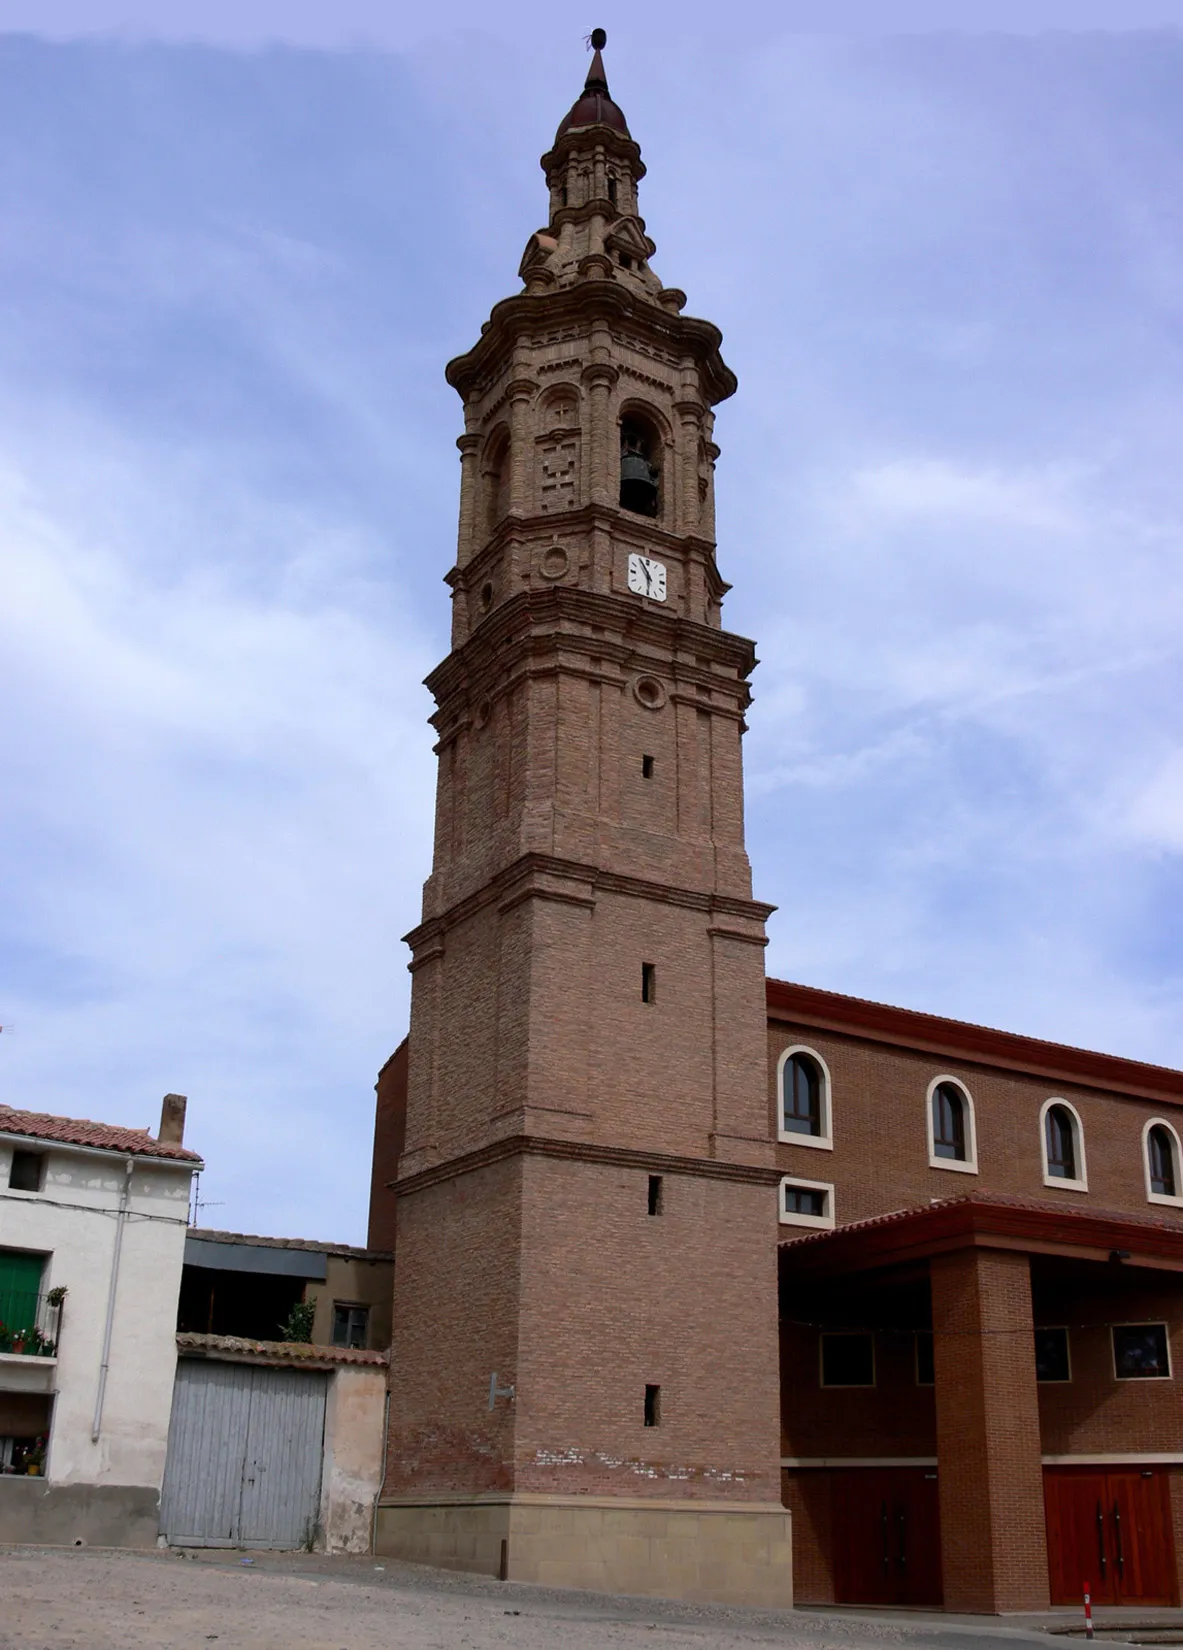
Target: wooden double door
(1111,1529)
(887,1536)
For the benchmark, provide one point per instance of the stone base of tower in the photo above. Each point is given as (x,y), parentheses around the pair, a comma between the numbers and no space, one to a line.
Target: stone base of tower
(710,1551)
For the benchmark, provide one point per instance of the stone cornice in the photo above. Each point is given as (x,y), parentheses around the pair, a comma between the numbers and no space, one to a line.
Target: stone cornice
(578,1151)
(584,304)
(505,888)
(802,1005)
(531,622)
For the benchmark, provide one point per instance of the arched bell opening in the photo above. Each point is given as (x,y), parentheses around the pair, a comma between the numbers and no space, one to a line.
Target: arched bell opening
(495,479)
(640,469)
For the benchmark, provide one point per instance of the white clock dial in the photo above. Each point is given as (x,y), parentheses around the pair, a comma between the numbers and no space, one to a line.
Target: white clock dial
(646,577)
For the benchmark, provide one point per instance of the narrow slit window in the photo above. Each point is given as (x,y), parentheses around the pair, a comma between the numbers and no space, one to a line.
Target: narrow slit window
(648,982)
(647,767)
(656,1194)
(652,1406)
(612,190)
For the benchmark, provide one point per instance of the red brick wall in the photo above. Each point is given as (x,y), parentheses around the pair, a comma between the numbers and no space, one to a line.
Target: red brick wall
(390,1127)
(808,1497)
(612,1299)
(880,1156)
(993,1535)
(457,1283)
(895,1417)
(1094,1412)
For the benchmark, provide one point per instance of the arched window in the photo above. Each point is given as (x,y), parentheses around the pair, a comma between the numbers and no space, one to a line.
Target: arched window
(1063,1146)
(803,1097)
(640,473)
(948,1122)
(1160,1151)
(952,1137)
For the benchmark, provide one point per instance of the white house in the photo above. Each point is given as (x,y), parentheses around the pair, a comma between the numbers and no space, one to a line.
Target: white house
(92,1239)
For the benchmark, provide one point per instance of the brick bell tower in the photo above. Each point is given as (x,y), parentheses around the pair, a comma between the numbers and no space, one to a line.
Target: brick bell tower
(584,1386)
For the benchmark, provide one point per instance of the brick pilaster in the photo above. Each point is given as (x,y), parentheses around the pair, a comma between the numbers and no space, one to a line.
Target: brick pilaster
(993,1535)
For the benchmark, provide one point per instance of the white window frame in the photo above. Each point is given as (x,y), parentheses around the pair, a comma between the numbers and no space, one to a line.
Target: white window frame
(787,1137)
(1175,1202)
(970,1164)
(1142,1323)
(1063,1328)
(824,1222)
(1055,1181)
(846,1386)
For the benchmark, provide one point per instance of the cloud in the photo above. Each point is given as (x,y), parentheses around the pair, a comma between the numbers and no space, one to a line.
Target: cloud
(950,504)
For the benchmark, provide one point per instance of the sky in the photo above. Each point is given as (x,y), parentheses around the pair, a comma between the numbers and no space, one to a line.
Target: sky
(237,246)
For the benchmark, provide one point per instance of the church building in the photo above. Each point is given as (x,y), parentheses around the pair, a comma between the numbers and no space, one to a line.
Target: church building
(709,1285)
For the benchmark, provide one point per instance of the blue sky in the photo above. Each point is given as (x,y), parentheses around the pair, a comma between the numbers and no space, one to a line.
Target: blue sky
(237,248)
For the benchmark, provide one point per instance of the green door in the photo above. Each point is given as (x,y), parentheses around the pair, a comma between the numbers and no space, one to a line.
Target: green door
(20,1286)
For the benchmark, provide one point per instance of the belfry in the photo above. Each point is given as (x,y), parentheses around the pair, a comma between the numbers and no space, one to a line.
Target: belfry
(584,1383)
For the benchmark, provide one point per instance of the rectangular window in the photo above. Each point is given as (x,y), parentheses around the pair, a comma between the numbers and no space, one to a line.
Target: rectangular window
(926,1374)
(648,982)
(1140,1352)
(27,1171)
(646,767)
(806,1203)
(350,1324)
(1051,1355)
(655,1194)
(848,1359)
(652,1406)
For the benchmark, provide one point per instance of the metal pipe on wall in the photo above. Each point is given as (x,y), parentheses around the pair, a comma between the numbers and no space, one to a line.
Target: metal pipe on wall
(104,1366)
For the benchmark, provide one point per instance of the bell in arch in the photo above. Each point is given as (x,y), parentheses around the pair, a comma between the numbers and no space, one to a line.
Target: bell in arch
(638,474)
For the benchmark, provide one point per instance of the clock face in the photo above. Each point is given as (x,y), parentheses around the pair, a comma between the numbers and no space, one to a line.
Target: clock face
(646,577)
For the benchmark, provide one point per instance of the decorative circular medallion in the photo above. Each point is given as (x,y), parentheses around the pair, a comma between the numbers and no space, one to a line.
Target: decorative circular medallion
(649,692)
(554,562)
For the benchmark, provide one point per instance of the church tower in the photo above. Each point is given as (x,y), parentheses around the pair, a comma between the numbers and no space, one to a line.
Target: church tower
(584,1385)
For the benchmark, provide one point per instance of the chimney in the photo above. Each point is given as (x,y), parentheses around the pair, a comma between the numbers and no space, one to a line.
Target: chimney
(172,1120)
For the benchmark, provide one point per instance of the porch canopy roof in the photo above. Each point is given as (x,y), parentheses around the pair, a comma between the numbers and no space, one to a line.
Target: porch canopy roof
(986,1221)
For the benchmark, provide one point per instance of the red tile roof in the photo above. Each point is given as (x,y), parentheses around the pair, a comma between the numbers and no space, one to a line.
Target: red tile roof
(107,1137)
(240,1349)
(976,1217)
(982,1045)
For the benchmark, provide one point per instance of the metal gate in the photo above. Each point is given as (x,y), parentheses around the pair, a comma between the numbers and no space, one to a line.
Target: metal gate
(245,1447)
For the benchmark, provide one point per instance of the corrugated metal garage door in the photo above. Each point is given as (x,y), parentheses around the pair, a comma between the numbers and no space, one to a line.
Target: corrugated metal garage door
(245,1447)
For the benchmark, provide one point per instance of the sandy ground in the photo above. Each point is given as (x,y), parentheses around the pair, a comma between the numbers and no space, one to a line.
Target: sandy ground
(92,1599)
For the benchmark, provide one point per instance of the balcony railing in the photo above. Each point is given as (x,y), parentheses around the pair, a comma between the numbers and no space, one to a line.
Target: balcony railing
(30,1325)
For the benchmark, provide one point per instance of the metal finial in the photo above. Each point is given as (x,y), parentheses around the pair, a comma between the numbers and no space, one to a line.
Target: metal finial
(597,40)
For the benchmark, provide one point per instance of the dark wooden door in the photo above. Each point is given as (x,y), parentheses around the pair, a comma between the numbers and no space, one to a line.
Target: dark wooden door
(1111,1529)
(887,1536)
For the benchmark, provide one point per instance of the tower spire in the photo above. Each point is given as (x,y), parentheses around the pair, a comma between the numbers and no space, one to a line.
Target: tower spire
(597,80)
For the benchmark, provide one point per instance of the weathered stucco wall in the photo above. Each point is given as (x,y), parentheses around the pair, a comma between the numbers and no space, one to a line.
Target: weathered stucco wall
(354,1429)
(73,1220)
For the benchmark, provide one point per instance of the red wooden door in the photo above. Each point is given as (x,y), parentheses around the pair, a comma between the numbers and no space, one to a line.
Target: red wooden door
(887,1536)
(1112,1530)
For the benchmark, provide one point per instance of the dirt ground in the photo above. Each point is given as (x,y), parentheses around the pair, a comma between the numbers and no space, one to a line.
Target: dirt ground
(98,1599)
